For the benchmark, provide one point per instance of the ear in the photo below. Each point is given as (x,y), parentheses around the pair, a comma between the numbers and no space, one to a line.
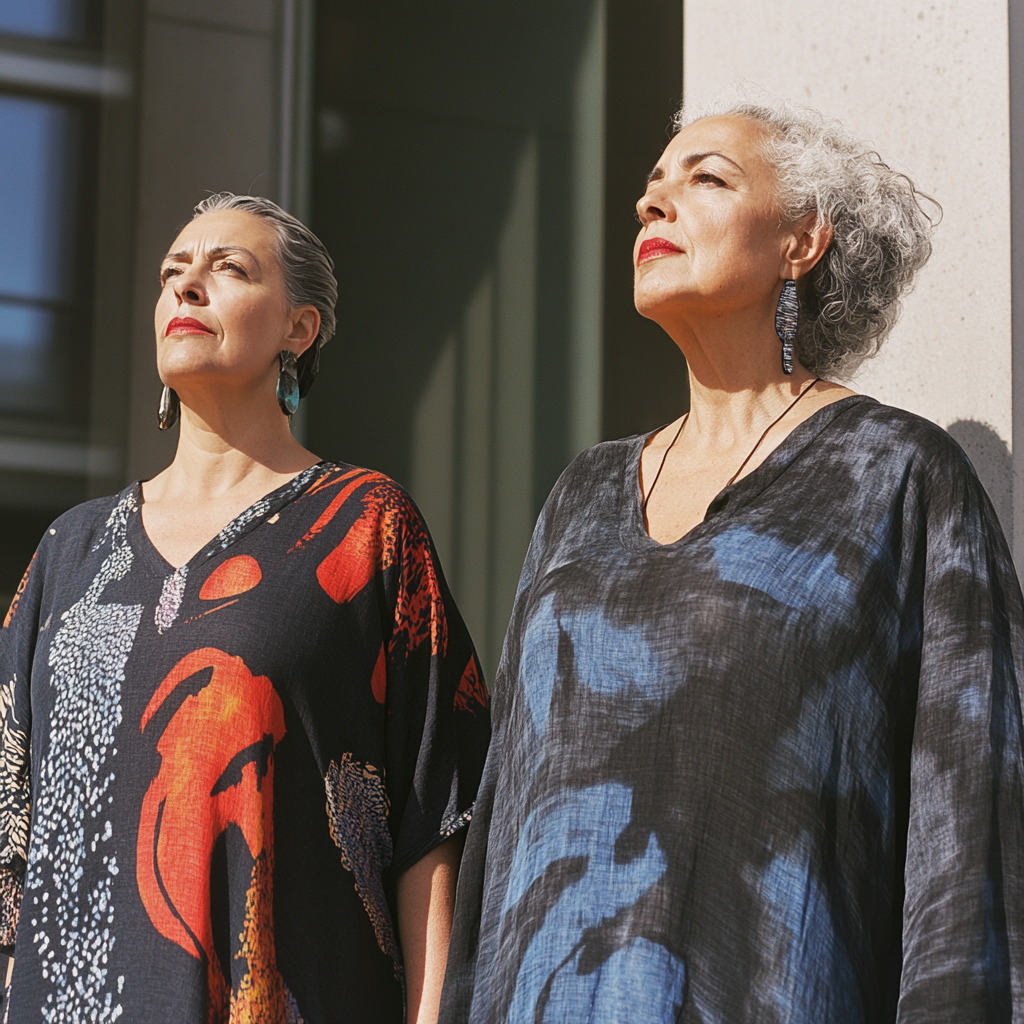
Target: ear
(305,325)
(804,246)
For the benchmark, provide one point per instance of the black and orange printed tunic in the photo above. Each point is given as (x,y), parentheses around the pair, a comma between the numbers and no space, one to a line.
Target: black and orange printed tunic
(212,776)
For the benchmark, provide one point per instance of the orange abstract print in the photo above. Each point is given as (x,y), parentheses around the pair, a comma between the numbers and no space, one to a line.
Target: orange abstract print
(354,562)
(379,680)
(17,594)
(230,578)
(354,479)
(216,768)
(371,545)
(471,695)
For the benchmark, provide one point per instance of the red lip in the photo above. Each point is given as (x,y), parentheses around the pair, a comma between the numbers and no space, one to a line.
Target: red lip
(651,248)
(186,325)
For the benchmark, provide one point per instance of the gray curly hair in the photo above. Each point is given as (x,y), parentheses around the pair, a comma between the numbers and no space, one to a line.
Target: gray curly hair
(306,266)
(881,236)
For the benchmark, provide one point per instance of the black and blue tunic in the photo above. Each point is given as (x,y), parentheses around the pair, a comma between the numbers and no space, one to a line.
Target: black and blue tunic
(771,772)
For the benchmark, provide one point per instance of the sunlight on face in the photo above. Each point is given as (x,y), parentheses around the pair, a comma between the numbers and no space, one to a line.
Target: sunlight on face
(222,312)
(710,240)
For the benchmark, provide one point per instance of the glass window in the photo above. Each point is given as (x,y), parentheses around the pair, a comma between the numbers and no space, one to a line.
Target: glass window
(70,20)
(49,152)
(39,175)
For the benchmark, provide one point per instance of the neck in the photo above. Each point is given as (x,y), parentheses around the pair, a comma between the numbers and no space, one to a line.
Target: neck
(736,380)
(232,441)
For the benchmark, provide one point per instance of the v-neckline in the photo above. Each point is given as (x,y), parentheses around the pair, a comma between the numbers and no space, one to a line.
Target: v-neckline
(247,520)
(633,530)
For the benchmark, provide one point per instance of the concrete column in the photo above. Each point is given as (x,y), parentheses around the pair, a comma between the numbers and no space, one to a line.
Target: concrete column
(1016,83)
(927,85)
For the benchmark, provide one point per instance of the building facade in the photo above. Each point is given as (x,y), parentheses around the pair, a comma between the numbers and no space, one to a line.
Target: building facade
(473,171)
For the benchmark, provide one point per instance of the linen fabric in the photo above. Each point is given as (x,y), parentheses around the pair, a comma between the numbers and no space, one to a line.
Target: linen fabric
(770,772)
(212,776)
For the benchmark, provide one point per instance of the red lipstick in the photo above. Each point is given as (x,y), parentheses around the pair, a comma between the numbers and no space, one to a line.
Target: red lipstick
(652,248)
(186,325)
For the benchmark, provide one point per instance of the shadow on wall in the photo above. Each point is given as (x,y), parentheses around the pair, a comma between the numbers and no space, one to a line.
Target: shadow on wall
(991,458)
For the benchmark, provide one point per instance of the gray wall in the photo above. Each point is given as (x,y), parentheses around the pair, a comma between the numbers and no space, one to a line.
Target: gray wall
(928,85)
(1016,83)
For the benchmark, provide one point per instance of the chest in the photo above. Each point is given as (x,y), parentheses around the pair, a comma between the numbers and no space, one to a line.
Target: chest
(679,485)
(738,616)
(179,530)
(248,640)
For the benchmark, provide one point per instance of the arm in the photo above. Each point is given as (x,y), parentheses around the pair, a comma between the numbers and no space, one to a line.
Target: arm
(437,731)
(17,649)
(963,940)
(426,899)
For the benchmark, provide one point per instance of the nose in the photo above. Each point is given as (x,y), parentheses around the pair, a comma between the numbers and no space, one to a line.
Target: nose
(652,206)
(190,287)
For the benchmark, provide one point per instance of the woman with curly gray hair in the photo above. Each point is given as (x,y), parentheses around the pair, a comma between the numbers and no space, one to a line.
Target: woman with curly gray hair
(757,751)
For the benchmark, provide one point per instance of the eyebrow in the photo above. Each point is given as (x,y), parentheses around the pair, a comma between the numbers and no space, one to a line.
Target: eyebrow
(691,161)
(221,250)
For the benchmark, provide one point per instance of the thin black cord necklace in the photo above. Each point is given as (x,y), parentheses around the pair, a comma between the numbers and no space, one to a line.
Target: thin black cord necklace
(732,479)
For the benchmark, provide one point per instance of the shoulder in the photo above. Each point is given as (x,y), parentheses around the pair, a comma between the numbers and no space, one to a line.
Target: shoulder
(81,528)
(893,452)
(607,455)
(596,473)
(340,479)
(873,428)
(339,495)
(92,515)
(66,544)
(368,524)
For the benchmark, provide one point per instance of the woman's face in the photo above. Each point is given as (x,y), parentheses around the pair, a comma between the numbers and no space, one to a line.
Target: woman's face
(710,243)
(223,316)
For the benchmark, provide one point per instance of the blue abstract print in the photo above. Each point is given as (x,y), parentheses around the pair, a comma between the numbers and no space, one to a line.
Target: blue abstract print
(796,576)
(605,659)
(770,773)
(580,829)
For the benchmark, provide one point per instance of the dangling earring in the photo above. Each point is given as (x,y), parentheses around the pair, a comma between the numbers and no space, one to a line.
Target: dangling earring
(170,406)
(288,383)
(787,314)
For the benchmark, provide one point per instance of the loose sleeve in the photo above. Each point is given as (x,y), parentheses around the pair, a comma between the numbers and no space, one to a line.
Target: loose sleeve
(17,649)
(438,722)
(464,947)
(963,932)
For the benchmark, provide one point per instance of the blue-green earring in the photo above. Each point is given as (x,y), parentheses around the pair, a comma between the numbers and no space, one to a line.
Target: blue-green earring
(288,383)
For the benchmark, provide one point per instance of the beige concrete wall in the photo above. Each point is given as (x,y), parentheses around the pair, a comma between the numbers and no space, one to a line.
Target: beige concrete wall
(927,84)
(210,121)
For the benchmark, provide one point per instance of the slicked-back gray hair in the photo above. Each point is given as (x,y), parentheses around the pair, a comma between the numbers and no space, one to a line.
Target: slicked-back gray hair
(880,234)
(306,266)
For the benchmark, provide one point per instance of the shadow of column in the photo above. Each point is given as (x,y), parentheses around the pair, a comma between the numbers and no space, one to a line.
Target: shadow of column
(993,463)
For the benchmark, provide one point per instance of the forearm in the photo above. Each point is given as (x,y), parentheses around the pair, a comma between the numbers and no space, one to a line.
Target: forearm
(426,900)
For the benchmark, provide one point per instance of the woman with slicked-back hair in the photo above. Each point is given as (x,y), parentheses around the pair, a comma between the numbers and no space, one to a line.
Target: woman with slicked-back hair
(757,721)
(241,720)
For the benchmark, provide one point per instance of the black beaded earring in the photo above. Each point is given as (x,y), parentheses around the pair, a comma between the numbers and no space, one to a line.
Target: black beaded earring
(787,315)
(170,407)
(288,383)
